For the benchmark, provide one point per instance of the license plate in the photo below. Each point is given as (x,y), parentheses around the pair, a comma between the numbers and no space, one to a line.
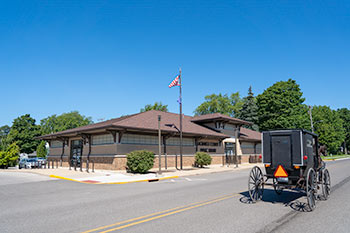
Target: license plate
(282,179)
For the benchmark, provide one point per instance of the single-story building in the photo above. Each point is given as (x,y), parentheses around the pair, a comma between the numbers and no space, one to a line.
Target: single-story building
(107,143)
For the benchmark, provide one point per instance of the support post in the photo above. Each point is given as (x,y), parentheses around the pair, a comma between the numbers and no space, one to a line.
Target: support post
(181,161)
(159,145)
(165,153)
(236,145)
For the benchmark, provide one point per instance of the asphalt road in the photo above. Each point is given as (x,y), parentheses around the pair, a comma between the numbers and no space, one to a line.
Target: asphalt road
(206,203)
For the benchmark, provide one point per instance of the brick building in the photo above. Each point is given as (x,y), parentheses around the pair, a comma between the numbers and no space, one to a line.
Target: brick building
(107,143)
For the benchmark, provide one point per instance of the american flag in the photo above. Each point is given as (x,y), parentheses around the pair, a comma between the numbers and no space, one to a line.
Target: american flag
(175,82)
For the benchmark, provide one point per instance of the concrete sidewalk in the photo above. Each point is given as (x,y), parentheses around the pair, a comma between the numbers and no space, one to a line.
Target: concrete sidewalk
(122,177)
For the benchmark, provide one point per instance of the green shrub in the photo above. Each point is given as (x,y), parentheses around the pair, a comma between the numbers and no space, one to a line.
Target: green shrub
(9,157)
(202,159)
(41,150)
(140,161)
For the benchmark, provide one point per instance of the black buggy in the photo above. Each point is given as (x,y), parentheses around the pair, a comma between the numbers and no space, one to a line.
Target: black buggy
(291,161)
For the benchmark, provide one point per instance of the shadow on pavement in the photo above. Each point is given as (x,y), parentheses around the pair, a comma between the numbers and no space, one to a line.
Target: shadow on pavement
(287,198)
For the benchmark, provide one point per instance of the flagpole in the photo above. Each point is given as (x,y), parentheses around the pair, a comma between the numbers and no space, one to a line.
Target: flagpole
(180,121)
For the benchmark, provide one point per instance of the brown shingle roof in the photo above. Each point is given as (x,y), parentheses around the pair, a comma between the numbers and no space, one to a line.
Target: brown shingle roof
(219,116)
(146,121)
(249,135)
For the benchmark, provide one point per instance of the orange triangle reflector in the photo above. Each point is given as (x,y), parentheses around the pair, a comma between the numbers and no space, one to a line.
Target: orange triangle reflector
(280,172)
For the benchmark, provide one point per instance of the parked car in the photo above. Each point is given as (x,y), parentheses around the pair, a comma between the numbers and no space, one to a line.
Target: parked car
(22,163)
(28,163)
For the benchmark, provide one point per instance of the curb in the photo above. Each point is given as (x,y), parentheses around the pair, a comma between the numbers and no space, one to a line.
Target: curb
(122,182)
(335,159)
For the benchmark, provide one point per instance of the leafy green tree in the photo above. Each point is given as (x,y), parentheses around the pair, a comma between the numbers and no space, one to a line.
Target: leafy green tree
(329,126)
(41,150)
(344,114)
(249,111)
(4,131)
(9,157)
(23,132)
(228,105)
(64,121)
(281,107)
(156,106)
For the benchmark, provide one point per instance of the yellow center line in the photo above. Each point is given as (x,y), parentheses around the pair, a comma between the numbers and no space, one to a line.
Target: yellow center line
(167,214)
(175,210)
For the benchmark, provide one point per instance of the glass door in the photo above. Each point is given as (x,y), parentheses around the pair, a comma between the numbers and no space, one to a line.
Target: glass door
(76,152)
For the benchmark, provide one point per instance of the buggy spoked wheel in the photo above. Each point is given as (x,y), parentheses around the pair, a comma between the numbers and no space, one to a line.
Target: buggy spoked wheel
(278,189)
(256,184)
(326,184)
(311,189)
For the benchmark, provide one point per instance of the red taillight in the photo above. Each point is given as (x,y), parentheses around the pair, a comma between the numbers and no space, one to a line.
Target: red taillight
(260,156)
(305,157)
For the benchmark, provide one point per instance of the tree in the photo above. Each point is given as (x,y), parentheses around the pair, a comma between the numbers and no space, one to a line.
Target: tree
(4,131)
(281,107)
(156,106)
(249,111)
(228,105)
(329,127)
(9,157)
(64,121)
(23,132)
(344,114)
(41,150)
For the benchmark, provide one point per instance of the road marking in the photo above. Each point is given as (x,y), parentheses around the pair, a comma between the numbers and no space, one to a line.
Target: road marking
(188,179)
(161,214)
(121,182)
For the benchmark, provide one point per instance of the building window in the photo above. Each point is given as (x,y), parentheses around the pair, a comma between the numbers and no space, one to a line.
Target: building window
(102,139)
(208,144)
(174,141)
(56,144)
(139,139)
(210,150)
(203,143)
(220,125)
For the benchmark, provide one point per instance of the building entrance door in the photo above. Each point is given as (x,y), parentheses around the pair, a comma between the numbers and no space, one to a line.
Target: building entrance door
(229,152)
(76,152)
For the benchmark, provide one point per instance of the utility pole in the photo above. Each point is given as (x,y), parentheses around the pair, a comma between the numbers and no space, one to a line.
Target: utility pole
(159,145)
(312,124)
(180,121)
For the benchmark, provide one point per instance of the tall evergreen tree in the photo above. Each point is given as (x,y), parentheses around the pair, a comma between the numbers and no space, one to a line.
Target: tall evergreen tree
(249,111)
(281,107)
(23,132)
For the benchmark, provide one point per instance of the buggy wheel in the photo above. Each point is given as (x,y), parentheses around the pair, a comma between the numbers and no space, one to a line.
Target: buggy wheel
(278,189)
(326,184)
(256,184)
(311,189)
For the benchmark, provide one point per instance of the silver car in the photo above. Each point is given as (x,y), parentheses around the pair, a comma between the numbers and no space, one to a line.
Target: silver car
(28,163)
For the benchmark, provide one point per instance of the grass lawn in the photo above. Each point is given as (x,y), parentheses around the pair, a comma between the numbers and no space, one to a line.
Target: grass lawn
(335,157)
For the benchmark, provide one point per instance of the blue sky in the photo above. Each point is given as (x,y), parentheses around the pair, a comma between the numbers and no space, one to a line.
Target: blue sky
(110,58)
